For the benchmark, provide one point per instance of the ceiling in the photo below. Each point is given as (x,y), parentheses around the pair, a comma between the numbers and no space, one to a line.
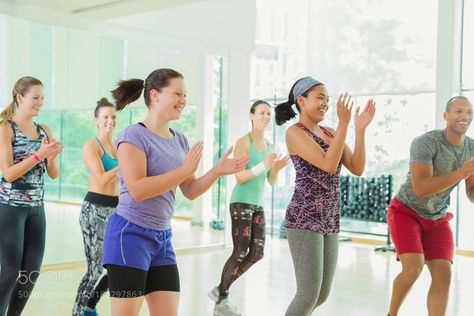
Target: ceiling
(102,9)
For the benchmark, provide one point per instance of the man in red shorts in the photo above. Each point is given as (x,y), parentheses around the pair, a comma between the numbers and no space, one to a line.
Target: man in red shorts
(417,216)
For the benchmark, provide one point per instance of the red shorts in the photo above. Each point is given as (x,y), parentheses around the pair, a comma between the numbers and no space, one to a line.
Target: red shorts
(412,233)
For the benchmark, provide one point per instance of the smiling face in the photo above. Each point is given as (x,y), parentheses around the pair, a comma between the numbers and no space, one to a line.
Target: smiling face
(261,116)
(106,119)
(458,116)
(31,102)
(315,104)
(170,101)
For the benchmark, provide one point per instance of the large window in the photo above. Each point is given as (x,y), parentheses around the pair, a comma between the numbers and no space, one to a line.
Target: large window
(58,56)
(465,216)
(468,47)
(370,49)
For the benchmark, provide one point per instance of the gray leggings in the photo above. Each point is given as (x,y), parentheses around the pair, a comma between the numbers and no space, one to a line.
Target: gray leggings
(314,259)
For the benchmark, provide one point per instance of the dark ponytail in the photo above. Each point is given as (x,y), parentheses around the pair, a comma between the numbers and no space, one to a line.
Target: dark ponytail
(283,111)
(128,91)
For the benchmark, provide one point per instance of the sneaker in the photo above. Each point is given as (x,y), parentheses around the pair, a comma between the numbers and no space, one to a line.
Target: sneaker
(90,312)
(214,294)
(225,308)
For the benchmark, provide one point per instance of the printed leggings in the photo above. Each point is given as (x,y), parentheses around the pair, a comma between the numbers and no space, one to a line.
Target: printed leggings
(95,211)
(248,235)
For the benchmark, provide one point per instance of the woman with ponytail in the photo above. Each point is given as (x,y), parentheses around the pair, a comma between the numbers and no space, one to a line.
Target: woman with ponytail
(312,217)
(100,157)
(27,150)
(153,160)
(246,204)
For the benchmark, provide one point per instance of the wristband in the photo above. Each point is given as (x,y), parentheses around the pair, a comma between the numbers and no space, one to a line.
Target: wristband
(258,169)
(36,157)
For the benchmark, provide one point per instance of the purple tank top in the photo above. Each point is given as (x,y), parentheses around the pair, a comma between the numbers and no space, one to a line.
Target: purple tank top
(162,155)
(315,202)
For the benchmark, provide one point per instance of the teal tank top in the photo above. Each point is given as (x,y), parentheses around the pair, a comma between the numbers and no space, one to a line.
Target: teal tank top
(108,162)
(251,192)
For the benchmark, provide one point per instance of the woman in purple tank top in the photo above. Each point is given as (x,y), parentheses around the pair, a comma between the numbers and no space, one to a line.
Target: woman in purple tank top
(312,217)
(153,160)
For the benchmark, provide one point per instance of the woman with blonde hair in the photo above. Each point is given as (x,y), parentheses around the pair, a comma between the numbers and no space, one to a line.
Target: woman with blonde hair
(27,150)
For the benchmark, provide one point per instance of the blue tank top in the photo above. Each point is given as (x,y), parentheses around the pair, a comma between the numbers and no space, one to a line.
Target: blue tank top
(108,162)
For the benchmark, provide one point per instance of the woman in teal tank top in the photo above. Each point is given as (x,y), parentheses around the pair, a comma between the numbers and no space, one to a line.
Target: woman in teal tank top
(246,204)
(99,155)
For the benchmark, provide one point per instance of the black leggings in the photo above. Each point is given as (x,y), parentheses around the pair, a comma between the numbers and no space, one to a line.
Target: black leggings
(22,240)
(248,235)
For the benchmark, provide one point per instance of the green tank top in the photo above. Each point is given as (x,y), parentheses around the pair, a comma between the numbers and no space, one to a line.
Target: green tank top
(251,192)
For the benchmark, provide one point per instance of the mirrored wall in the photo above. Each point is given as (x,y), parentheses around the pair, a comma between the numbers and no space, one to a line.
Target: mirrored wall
(77,68)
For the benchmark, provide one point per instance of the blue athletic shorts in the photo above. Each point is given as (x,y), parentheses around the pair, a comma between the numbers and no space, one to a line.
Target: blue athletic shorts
(130,245)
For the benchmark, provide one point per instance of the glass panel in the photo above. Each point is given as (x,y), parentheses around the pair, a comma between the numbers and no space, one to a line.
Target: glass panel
(72,183)
(52,119)
(220,135)
(465,217)
(468,46)
(278,197)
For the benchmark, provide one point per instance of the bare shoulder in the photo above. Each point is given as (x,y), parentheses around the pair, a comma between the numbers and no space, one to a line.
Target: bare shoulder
(293,131)
(91,145)
(46,128)
(6,129)
(243,141)
(5,124)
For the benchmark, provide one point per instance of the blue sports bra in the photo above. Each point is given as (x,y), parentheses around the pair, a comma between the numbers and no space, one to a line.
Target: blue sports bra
(108,162)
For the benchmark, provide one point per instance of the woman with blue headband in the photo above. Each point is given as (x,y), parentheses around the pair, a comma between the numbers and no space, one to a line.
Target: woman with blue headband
(312,217)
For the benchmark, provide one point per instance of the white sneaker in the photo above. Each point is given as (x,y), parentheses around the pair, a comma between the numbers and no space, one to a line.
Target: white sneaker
(214,294)
(225,308)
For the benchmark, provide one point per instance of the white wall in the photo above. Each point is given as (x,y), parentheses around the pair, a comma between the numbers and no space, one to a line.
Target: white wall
(230,23)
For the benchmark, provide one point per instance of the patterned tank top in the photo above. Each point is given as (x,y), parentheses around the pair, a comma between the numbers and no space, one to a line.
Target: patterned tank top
(315,202)
(28,190)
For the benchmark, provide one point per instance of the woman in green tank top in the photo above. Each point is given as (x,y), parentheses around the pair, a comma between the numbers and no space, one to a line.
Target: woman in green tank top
(246,204)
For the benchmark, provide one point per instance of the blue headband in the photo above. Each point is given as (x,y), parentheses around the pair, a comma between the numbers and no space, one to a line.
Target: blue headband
(303,85)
